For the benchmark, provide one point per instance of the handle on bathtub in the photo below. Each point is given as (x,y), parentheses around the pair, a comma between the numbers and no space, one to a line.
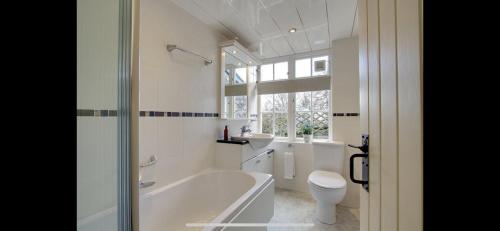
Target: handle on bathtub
(146,184)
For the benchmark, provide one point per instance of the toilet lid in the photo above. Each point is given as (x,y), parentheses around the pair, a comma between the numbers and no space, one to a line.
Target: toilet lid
(327,179)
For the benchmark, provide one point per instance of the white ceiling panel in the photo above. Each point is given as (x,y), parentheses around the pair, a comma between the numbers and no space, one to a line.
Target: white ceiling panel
(265,25)
(299,41)
(318,37)
(264,49)
(231,18)
(216,8)
(341,17)
(280,45)
(312,12)
(262,25)
(284,14)
(192,8)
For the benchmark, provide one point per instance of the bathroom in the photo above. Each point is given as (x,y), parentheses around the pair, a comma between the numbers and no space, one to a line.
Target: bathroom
(241,112)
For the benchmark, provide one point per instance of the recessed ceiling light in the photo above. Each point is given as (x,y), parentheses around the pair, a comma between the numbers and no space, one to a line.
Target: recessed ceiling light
(234,52)
(250,62)
(239,64)
(292,30)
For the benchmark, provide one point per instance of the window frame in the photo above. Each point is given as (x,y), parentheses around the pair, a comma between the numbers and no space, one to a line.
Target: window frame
(291,123)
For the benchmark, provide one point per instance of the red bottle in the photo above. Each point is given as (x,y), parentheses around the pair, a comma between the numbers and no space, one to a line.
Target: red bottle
(226,137)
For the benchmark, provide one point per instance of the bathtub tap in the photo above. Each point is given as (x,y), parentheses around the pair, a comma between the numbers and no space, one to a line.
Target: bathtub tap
(146,184)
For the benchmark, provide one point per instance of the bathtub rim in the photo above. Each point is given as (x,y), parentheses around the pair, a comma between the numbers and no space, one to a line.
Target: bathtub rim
(261,181)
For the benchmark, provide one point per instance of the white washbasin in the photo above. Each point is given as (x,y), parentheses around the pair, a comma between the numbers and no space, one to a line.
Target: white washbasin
(256,140)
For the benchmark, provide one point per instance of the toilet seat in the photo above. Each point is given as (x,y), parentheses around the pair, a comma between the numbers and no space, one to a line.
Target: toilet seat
(327,180)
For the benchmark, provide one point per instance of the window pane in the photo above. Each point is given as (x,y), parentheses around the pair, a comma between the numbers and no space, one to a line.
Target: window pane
(227,77)
(267,122)
(240,107)
(280,124)
(320,100)
(266,72)
(300,119)
(281,70)
(281,102)
(240,75)
(303,101)
(320,125)
(240,115)
(302,68)
(266,103)
(320,66)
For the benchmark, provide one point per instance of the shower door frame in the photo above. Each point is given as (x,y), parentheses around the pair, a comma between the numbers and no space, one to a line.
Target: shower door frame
(124,113)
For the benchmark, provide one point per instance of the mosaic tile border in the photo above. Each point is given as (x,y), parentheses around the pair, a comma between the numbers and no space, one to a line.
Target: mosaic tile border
(346,114)
(113,113)
(96,113)
(177,114)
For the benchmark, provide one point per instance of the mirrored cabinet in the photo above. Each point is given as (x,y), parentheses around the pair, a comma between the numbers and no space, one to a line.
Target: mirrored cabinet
(238,81)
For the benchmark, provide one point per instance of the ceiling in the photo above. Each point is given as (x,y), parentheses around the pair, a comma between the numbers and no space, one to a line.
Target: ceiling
(263,25)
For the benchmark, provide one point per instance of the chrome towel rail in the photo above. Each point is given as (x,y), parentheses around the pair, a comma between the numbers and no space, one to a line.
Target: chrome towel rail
(171,47)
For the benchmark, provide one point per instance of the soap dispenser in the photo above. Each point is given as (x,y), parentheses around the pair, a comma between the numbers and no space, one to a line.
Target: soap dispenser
(226,136)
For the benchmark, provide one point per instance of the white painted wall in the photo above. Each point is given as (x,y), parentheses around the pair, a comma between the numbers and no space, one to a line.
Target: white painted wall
(178,82)
(97,56)
(345,95)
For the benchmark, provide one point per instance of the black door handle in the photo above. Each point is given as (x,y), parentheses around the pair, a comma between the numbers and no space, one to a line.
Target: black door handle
(351,169)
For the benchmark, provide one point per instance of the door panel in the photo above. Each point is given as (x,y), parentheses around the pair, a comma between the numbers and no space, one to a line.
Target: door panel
(363,101)
(390,71)
(374,114)
(410,115)
(389,117)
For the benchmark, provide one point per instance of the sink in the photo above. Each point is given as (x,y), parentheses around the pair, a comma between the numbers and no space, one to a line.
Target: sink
(256,140)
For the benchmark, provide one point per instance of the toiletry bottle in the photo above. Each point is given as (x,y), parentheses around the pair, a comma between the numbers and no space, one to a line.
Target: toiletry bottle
(226,137)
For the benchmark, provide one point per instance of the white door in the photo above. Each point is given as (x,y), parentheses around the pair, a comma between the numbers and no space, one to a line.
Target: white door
(390,62)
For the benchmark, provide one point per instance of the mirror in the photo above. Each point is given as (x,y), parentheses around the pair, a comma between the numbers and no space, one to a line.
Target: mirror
(238,80)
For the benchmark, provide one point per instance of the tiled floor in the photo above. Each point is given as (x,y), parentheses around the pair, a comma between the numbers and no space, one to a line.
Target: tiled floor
(291,206)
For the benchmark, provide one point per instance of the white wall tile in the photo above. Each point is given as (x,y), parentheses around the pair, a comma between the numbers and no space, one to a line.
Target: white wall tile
(96,164)
(179,82)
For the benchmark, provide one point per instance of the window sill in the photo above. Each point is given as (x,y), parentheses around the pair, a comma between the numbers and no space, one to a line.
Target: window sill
(298,141)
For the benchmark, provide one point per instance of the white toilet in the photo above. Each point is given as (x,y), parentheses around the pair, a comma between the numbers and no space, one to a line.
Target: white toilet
(326,184)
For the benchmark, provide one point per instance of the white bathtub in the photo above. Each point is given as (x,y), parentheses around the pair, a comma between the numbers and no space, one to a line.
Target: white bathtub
(213,196)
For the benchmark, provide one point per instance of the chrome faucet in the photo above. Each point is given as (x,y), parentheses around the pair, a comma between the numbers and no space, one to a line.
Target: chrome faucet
(245,129)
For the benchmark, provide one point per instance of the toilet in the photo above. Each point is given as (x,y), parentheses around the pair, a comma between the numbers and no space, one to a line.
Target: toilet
(326,183)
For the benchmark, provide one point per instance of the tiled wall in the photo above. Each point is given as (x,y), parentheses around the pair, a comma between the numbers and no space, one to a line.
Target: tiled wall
(345,105)
(178,93)
(97,55)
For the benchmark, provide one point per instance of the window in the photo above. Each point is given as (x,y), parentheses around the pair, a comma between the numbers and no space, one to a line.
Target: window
(274,71)
(274,114)
(240,75)
(308,99)
(266,72)
(313,107)
(302,68)
(317,66)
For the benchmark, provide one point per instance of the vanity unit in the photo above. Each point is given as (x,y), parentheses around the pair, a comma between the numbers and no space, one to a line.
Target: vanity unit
(240,155)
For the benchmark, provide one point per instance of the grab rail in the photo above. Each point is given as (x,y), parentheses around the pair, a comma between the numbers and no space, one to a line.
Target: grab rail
(152,160)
